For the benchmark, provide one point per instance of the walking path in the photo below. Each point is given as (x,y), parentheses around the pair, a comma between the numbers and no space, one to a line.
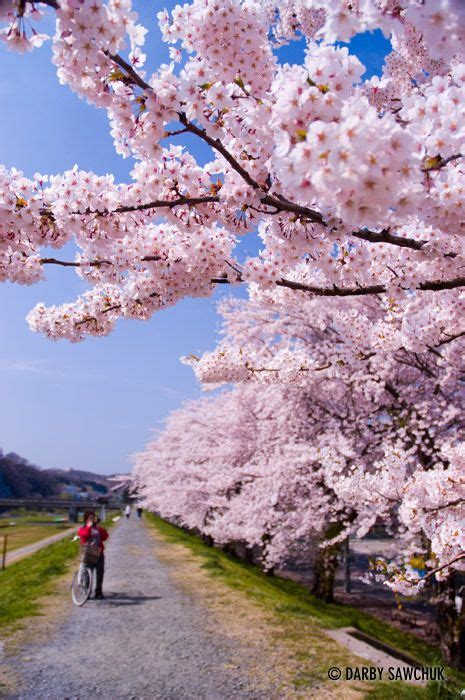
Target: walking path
(146,640)
(21,552)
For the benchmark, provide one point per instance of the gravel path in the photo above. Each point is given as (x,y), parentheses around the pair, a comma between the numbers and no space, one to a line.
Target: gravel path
(147,639)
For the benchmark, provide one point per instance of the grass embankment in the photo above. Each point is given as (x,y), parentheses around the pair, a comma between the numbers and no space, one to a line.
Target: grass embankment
(29,528)
(22,584)
(291,605)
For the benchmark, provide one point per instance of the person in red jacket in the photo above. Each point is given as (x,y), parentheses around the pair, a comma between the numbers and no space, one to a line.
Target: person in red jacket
(92,533)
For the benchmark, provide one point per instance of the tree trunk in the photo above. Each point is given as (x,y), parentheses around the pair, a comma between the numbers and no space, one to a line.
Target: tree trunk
(209,541)
(451,623)
(346,550)
(325,567)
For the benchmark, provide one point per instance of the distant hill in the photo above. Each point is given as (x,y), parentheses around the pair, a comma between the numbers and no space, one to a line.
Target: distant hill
(78,479)
(20,479)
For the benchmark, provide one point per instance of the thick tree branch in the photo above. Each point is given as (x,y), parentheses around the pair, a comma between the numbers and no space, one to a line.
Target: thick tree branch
(280,203)
(386,237)
(335,291)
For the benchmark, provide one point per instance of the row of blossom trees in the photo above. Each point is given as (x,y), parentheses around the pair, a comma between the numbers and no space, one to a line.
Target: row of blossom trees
(320,441)
(352,337)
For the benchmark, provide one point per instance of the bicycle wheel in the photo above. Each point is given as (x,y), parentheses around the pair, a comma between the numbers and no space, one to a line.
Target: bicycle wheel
(81,586)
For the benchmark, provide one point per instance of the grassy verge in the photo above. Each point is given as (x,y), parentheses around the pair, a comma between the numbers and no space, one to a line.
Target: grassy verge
(291,601)
(22,535)
(26,527)
(22,584)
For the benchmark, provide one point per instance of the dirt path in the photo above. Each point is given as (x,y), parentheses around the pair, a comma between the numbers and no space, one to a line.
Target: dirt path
(21,552)
(147,639)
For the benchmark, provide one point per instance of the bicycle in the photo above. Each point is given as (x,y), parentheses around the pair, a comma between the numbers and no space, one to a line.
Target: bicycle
(81,585)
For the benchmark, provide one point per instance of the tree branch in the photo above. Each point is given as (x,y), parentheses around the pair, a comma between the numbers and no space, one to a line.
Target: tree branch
(135,77)
(67,263)
(155,204)
(451,504)
(93,263)
(218,146)
(335,291)
(438,569)
(385,236)
(160,203)
(283,204)
(451,338)
(436,162)
(50,3)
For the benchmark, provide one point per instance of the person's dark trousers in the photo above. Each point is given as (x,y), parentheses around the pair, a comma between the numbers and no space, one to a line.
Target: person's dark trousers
(99,571)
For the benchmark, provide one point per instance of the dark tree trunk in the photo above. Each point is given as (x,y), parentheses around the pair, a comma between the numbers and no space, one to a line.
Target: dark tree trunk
(325,567)
(208,540)
(248,555)
(451,623)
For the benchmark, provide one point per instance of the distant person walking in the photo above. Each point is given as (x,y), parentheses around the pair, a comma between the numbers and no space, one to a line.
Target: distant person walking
(92,533)
(127,511)
(139,512)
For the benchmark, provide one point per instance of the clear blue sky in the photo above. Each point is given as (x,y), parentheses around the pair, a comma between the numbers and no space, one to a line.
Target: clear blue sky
(91,405)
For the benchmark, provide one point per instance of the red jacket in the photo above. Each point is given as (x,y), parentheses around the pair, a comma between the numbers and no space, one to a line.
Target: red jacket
(84,534)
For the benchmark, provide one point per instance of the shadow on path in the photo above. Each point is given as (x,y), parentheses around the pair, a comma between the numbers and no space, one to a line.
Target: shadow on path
(118,599)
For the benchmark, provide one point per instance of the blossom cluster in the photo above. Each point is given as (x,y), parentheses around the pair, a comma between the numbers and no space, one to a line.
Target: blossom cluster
(352,185)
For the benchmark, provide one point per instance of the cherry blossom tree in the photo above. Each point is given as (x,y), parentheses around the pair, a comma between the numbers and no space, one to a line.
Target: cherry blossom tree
(239,468)
(401,411)
(394,416)
(355,187)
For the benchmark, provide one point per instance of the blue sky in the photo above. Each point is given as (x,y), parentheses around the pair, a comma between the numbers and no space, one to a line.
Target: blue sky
(91,405)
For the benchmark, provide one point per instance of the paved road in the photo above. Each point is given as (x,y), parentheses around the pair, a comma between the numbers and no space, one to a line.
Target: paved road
(21,552)
(147,639)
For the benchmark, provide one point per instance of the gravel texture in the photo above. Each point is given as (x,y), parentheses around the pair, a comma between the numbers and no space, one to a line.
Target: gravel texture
(147,639)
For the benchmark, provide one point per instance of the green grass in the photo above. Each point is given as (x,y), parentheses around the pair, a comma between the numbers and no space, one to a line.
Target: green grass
(21,535)
(403,691)
(30,527)
(21,516)
(26,527)
(23,583)
(293,601)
